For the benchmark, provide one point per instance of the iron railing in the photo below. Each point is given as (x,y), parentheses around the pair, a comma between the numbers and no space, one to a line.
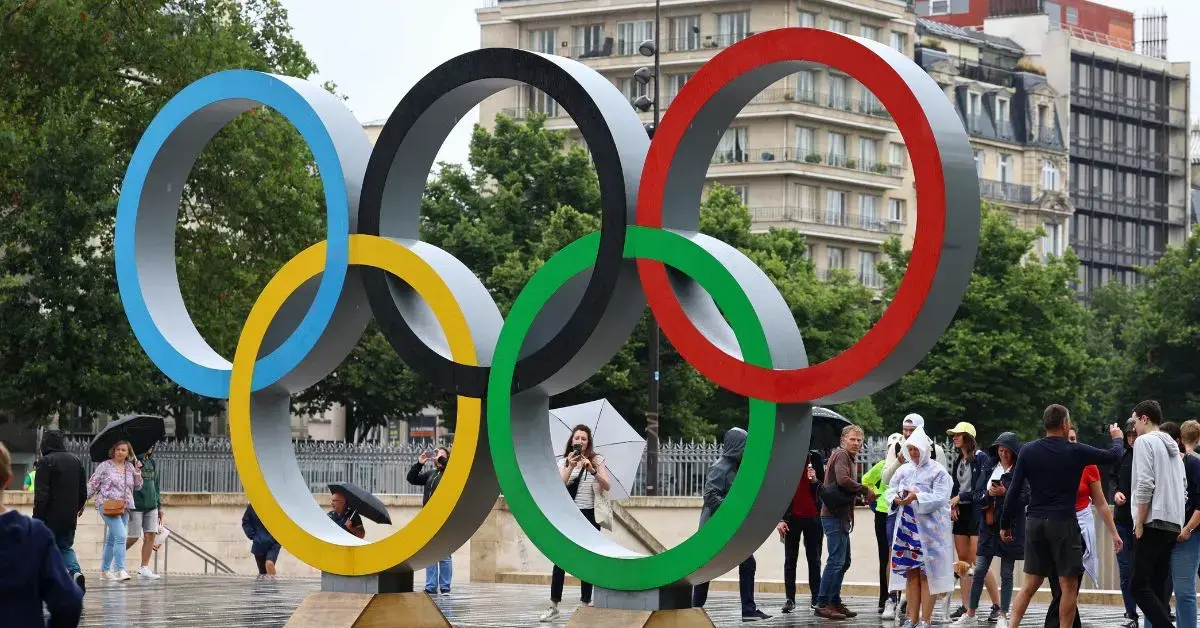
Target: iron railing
(814,155)
(208,559)
(833,218)
(1005,191)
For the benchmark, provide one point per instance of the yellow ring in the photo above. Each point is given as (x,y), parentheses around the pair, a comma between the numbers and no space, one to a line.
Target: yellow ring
(354,556)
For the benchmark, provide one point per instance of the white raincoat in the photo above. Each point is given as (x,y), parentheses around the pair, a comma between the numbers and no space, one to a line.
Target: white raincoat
(931,512)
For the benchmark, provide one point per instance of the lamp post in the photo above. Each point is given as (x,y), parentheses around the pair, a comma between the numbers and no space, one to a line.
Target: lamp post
(643,76)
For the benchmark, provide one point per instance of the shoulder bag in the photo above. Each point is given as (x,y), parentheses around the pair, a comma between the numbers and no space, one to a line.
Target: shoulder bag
(116,507)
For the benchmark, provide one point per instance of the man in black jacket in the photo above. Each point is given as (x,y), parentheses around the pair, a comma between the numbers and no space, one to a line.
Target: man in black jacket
(59,496)
(437,576)
(1122,482)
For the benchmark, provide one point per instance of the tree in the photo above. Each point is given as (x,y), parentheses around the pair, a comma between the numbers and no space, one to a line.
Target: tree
(1016,344)
(85,78)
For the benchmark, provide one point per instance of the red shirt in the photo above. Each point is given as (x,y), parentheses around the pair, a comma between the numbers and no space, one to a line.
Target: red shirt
(1091,473)
(804,505)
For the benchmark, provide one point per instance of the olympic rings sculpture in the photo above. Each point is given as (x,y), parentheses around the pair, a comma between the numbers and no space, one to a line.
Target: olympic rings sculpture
(718,309)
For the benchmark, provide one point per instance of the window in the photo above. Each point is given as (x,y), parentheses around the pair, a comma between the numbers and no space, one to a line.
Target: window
(868,211)
(539,102)
(835,208)
(1049,175)
(1005,168)
(1043,121)
(895,210)
(869,32)
(544,41)
(939,7)
(839,92)
(684,33)
(866,267)
(630,35)
(806,86)
(868,103)
(839,25)
(1001,112)
(1072,15)
(972,104)
(589,40)
(896,155)
(807,19)
(804,196)
(979,163)
(743,192)
(837,149)
(806,143)
(1052,242)
(632,89)
(733,27)
(868,153)
(675,83)
(734,145)
(837,257)
(900,41)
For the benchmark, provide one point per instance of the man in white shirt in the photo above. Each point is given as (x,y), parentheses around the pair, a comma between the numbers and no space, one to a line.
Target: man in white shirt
(1159,492)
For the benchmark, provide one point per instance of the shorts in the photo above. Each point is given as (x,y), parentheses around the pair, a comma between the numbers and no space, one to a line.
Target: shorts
(142,522)
(268,552)
(967,523)
(1053,546)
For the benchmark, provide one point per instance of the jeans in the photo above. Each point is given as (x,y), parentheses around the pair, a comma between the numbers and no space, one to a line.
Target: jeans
(440,573)
(814,539)
(837,536)
(65,542)
(982,564)
(1125,566)
(1151,573)
(1185,560)
(558,577)
(114,542)
(745,588)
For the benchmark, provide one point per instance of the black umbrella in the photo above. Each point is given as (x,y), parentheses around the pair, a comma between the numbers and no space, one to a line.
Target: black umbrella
(826,429)
(360,500)
(141,430)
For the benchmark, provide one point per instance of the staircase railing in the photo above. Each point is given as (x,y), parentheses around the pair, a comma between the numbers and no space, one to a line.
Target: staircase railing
(218,567)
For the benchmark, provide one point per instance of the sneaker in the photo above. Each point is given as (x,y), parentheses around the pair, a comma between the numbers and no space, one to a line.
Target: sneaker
(841,608)
(445,591)
(922,625)
(962,610)
(550,613)
(757,615)
(146,572)
(1002,621)
(121,575)
(966,619)
(812,605)
(906,623)
(889,610)
(828,612)
(108,575)
(79,581)
(994,616)
(788,606)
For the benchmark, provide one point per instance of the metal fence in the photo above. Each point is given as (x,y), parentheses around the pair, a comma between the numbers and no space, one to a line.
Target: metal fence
(201,465)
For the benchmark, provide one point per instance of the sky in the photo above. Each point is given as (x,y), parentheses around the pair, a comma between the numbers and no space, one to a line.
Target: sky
(375,50)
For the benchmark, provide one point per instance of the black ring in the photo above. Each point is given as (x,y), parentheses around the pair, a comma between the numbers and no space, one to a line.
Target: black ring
(399,167)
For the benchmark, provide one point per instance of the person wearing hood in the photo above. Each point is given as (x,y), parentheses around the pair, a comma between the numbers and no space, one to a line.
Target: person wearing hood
(439,575)
(873,478)
(1158,508)
(838,493)
(894,460)
(33,573)
(716,486)
(922,558)
(263,547)
(1122,481)
(59,498)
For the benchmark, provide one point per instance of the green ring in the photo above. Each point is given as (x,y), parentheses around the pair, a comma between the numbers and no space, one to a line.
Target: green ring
(677,564)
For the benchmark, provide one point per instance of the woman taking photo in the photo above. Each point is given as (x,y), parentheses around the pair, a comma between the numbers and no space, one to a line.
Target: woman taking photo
(113,484)
(585,477)
(970,487)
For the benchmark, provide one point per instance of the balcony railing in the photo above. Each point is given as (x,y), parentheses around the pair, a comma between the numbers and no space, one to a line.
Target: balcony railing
(1128,106)
(1112,253)
(1129,207)
(1005,191)
(816,156)
(984,126)
(1048,136)
(988,74)
(1128,156)
(827,217)
(868,106)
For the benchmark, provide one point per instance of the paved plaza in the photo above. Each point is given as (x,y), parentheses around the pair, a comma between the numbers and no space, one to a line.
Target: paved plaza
(232,602)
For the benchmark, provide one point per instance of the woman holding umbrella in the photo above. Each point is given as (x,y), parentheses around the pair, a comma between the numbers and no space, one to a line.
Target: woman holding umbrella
(114,482)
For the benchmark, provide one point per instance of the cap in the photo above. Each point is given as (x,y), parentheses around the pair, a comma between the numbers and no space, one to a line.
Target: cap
(914,420)
(962,428)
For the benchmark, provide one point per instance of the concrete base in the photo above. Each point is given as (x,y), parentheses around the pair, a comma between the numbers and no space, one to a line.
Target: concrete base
(386,582)
(594,617)
(325,609)
(662,599)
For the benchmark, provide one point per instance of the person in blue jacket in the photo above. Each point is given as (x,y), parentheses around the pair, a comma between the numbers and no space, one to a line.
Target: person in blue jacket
(263,546)
(33,572)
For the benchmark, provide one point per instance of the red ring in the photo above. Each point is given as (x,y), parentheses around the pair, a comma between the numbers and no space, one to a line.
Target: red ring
(852,365)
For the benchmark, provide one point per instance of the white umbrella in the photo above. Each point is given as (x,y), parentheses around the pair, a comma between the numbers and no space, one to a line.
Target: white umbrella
(612,437)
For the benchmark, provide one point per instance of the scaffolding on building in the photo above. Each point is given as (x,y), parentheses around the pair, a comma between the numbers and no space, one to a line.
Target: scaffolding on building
(1152,34)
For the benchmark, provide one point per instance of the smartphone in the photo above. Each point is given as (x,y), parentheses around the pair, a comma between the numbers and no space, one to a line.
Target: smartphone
(577,447)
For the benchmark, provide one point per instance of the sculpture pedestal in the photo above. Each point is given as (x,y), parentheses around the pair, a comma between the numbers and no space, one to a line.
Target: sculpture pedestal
(667,607)
(367,602)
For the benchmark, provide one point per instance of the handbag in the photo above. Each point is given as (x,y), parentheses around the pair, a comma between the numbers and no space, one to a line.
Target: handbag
(835,498)
(116,507)
(573,485)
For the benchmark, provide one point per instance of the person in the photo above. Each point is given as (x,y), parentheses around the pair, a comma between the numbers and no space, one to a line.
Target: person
(838,493)
(1053,466)
(34,574)
(1185,558)
(344,517)
(873,478)
(1158,509)
(802,519)
(998,480)
(439,575)
(59,499)
(910,423)
(113,482)
(583,472)
(31,477)
(263,546)
(970,485)
(922,557)
(147,516)
(1122,482)
(891,460)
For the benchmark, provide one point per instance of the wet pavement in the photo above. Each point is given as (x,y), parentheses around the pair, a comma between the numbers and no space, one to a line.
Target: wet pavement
(233,602)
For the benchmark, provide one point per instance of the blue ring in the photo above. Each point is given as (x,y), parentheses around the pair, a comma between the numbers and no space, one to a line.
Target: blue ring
(281,96)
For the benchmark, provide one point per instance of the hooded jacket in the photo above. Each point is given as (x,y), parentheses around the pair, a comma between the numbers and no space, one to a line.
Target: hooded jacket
(721,473)
(261,539)
(61,488)
(989,536)
(427,477)
(1159,481)
(897,453)
(34,574)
